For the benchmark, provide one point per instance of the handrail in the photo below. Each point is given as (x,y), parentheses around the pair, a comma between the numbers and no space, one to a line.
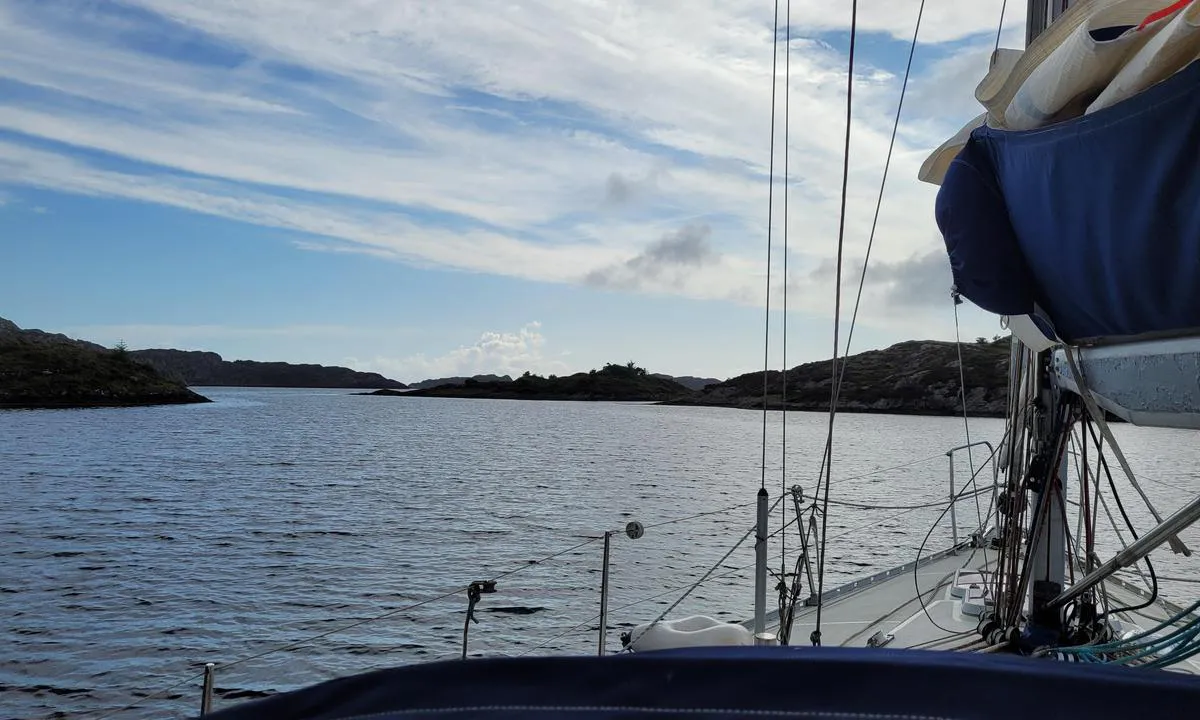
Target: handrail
(953,497)
(953,450)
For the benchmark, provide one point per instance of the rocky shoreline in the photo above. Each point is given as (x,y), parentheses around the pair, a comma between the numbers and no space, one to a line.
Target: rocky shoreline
(41,370)
(208,369)
(918,377)
(613,383)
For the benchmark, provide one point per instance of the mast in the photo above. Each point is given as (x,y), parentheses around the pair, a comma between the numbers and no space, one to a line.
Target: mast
(1048,527)
(1039,14)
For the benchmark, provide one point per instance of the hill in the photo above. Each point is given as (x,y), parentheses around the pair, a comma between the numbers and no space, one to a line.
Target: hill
(613,382)
(210,369)
(44,370)
(690,382)
(458,380)
(915,377)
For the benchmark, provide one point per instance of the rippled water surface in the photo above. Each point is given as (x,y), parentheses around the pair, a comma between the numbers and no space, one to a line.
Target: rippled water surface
(138,544)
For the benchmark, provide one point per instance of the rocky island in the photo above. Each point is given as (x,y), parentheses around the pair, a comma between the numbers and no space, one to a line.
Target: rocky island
(44,370)
(690,382)
(457,380)
(210,369)
(918,377)
(613,382)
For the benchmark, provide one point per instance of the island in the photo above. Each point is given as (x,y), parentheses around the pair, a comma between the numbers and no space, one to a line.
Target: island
(45,370)
(613,382)
(458,380)
(208,369)
(690,382)
(917,377)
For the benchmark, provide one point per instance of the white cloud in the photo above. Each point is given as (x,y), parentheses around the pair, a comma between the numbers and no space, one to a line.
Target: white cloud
(544,140)
(501,353)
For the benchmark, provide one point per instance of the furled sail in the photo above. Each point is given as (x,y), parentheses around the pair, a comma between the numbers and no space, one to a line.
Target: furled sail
(1076,197)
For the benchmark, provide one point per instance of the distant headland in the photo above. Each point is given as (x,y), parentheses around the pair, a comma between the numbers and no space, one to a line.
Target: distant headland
(919,377)
(39,369)
(208,369)
(613,382)
(45,370)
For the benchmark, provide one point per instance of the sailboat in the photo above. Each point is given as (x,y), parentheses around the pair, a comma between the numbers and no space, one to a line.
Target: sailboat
(1071,208)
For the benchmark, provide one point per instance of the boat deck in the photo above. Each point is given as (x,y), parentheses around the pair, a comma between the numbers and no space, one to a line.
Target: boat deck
(885,609)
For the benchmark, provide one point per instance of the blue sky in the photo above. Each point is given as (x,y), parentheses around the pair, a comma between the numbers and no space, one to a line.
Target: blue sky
(425,189)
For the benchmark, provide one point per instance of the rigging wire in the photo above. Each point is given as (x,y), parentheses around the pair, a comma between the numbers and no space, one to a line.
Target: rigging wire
(1003,8)
(887,163)
(837,313)
(343,628)
(936,503)
(921,549)
(703,577)
(840,376)
(1056,445)
(626,606)
(1129,524)
(787,107)
(698,515)
(770,225)
(962,388)
(1085,394)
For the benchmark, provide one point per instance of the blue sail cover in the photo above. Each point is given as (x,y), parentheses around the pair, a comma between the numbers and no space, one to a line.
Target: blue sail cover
(1096,219)
(747,682)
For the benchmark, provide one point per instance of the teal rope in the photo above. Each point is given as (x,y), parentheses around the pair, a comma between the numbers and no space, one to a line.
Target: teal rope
(1185,641)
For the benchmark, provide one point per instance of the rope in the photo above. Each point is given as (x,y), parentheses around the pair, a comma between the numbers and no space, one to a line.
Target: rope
(837,317)
(1142,645)
(929,533)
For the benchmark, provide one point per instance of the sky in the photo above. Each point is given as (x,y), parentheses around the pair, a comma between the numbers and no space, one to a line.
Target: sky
(426,189)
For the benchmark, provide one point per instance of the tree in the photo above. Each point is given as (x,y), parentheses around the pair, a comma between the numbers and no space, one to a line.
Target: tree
(981,340)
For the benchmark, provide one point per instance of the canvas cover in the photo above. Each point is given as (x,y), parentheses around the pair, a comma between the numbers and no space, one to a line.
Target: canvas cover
(1096,219)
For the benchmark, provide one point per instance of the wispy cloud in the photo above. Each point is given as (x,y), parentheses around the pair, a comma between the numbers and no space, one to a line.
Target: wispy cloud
(672,260)
(553,141)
